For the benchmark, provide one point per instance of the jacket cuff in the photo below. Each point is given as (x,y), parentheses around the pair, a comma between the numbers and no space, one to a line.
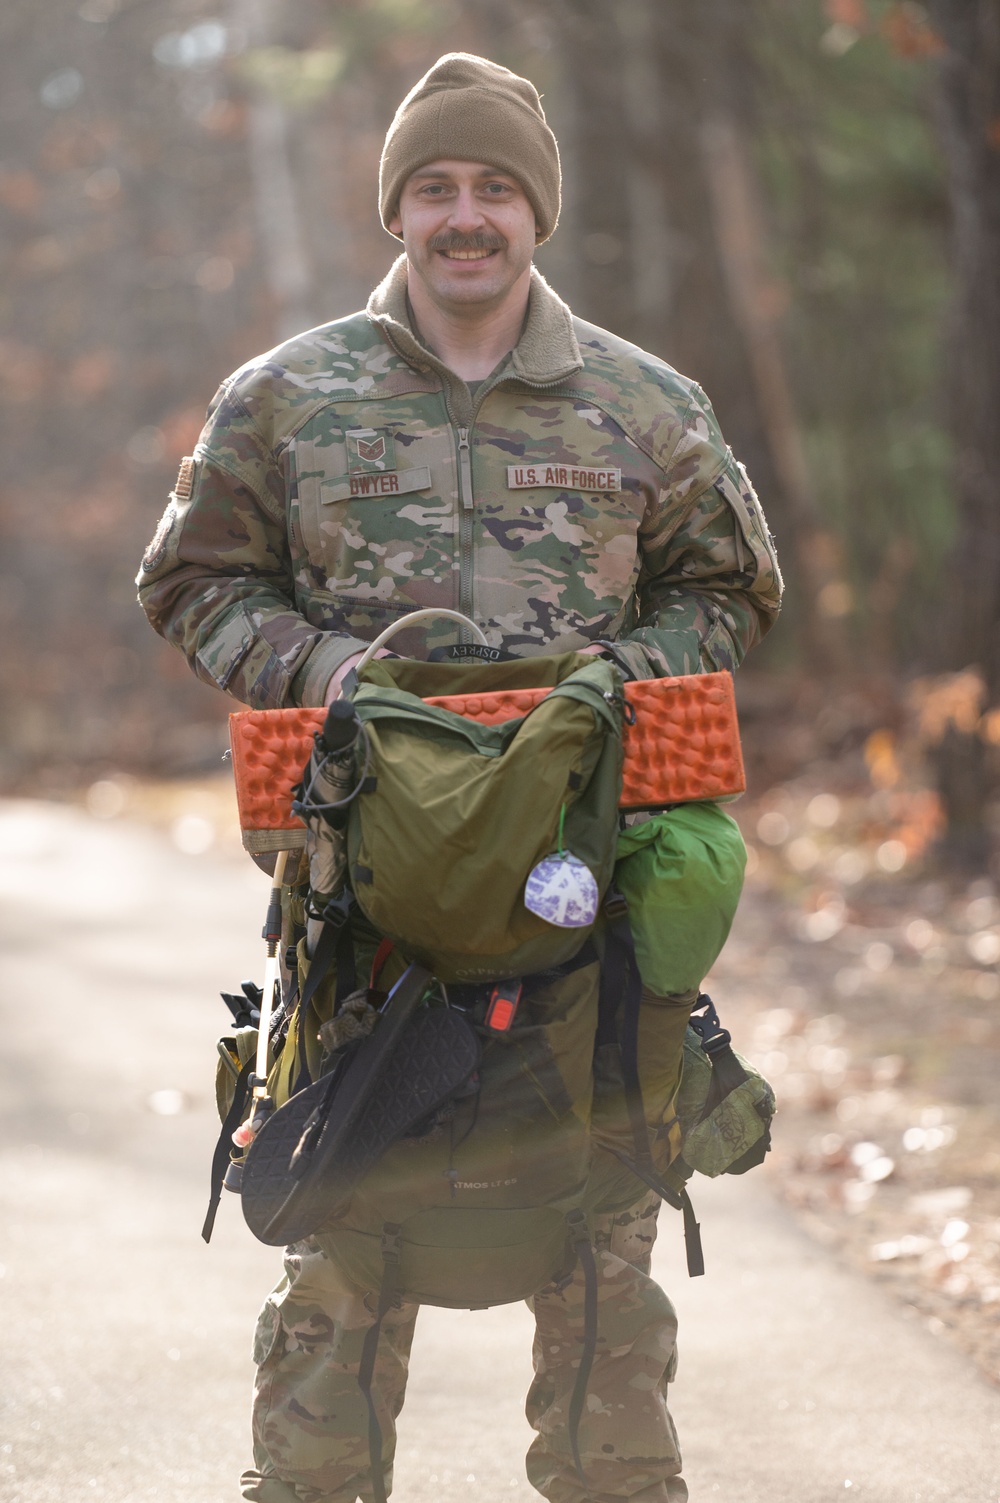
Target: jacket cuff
(630,657)
(310,683)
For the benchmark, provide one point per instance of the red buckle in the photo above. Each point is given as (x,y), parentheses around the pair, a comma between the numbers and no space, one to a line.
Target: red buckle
(504,999)
(385,949)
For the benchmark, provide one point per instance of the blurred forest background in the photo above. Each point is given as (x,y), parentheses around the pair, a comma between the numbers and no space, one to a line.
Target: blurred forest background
(797,202)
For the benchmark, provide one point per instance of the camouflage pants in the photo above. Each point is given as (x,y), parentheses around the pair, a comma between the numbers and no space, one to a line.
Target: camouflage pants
(310,1420)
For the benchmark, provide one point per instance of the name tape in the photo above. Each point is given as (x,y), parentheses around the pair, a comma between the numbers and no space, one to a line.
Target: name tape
(388,483)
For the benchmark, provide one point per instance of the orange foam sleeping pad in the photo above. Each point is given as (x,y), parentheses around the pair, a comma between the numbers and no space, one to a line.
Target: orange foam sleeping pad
(684,745)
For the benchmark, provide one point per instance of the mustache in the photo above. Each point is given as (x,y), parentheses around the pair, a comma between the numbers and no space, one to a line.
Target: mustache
(451,240)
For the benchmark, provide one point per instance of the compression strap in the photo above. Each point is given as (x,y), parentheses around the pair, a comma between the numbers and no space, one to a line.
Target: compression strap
(388,1290)
(223,1148)
(577,1223)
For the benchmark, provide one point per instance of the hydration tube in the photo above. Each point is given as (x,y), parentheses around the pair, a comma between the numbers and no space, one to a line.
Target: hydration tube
(410,620)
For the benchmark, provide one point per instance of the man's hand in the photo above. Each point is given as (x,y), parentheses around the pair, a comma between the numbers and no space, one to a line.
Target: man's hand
(335,685)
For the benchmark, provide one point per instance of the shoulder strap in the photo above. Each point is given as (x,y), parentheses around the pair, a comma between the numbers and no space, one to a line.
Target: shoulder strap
(387,1294)
(335,944)
(621,984)
(577,1223)
(223,1148)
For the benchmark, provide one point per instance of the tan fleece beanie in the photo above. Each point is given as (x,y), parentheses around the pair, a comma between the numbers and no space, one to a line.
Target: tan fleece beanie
(468,109)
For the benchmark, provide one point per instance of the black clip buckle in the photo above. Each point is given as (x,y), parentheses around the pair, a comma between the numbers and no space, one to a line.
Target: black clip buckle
(615,905)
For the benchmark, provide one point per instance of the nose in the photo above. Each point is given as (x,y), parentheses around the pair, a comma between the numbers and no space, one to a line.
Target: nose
(466,215)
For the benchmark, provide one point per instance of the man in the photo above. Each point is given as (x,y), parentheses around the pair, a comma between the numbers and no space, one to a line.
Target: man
(464,442)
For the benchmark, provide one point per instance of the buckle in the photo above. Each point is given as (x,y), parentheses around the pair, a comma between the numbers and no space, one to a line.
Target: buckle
(578,1229)
(392,1242)
(337,911)
(615,905)
(503,1004)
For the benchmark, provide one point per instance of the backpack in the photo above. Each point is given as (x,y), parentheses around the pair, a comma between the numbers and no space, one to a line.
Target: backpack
(551,1113)
(448,818)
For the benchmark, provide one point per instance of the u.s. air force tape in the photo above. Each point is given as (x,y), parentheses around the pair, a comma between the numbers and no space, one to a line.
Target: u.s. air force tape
(564,477)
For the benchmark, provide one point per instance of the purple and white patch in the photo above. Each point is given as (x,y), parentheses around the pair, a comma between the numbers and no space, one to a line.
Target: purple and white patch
(561,890)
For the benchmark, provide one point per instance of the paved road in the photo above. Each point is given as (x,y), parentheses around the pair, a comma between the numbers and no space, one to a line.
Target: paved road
(125,1366)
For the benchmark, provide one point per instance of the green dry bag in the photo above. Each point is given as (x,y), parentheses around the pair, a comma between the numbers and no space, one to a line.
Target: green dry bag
(681,873)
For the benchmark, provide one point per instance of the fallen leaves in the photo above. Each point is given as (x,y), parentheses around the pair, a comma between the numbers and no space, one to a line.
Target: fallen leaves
(873,985)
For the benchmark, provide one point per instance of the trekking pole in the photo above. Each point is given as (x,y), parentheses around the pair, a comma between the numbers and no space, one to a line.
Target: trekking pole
(272,938)
(261,1103)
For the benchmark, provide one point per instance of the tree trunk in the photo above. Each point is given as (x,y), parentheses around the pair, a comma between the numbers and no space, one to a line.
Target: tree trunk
(276,203)
(591,43)
(723,324)
(968,99)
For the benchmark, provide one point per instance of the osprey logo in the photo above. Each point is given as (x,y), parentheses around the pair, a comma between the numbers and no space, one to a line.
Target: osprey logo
(369,451)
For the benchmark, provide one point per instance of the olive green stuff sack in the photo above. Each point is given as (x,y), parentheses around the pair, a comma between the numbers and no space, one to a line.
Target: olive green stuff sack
(726,1136)
(454,814)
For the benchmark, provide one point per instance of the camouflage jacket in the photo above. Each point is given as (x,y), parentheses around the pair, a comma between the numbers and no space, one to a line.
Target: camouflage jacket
(349,477)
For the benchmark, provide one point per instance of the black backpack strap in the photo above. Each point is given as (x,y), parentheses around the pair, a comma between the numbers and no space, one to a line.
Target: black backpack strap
(678,1197)
(580,1234)
(347,972)
(223,1148)
(336,919)
(692,1237)
(716,1041)
(621,985)
(388,1290)
(335,945)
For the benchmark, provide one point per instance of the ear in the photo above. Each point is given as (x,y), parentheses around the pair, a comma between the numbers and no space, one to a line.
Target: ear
(395,225)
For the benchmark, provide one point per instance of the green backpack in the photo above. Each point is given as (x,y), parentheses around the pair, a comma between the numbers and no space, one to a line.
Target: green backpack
(449,817)
(446,818)
(572,1106)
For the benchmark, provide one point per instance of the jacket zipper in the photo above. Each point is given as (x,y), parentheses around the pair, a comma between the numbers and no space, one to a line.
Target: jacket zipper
(467,512)
(465,525)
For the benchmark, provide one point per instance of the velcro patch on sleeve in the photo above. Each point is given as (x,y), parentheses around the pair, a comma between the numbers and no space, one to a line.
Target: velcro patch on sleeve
(563,477)
(185,479)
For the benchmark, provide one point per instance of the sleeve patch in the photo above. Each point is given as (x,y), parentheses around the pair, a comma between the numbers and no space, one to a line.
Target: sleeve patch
(154,554)
(185,479)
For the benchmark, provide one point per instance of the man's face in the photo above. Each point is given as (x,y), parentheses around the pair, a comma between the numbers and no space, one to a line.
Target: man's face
(469,232)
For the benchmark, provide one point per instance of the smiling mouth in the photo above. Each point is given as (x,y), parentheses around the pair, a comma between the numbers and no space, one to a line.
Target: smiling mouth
(467,255)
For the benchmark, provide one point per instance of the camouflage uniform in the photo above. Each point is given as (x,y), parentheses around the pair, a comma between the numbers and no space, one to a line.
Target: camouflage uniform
(349,477)
(311,1421)
(582,493)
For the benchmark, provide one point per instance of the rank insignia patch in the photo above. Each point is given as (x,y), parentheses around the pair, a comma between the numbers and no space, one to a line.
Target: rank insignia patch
(370,451)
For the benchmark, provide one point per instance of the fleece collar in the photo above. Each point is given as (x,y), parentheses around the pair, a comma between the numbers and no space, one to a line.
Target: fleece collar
(547,351)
